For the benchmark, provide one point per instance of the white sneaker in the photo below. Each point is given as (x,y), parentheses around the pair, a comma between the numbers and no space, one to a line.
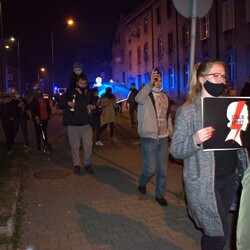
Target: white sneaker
(99,143)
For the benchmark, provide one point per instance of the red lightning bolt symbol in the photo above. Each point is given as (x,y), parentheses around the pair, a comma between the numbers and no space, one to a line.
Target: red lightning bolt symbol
(238,110)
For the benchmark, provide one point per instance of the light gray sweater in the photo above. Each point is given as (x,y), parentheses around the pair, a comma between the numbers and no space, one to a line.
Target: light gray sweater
(199,168)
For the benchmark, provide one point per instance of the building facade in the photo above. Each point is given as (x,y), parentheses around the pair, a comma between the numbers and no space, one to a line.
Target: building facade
(156,35)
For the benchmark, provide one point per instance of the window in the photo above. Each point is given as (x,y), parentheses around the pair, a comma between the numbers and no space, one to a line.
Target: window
(230,65)
(123,76)
(186,35)
(139,55)
(130,59)
(169,8)
(145,24)
(146,77)
(171,77)
(204,27)
(185,75)
(139,79)
(160,46)
(138,30)
(158,15)
(170,42)
(228,15)
(146,52)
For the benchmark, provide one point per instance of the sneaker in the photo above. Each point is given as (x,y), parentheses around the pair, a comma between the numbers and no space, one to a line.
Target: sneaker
(99,143)
(89,169)
(76,169)
(26,148)
(142,189)
(161,201)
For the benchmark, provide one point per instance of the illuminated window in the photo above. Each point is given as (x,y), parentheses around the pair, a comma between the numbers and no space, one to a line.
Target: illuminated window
(185,75)
(158,15)
(171,77)
(186,35)
(228,15)
(139,55)
(130,59)
(160,46)
(146,77)
(204,27)
(230,65)
(146,52)
(145,24)
(139,79)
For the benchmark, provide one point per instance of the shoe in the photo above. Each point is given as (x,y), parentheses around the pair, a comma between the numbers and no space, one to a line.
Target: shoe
(26,148)
(89,169)
(76,169)
(142,189)
(38,147)
(99,143)
(161,201)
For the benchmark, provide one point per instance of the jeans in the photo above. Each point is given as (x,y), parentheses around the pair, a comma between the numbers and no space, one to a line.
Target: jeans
(111,126)
(38,129)
(224,191)
(154,161)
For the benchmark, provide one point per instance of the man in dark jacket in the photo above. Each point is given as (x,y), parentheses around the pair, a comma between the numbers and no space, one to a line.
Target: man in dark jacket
(132,103)
(78,103)
(40,112)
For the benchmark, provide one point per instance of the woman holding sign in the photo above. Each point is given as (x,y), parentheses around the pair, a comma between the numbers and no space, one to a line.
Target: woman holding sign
(209,176)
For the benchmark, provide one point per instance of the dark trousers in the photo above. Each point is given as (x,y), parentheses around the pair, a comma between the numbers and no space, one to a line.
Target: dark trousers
(112,128)
(22,122)
(132,109)
(8,129)
(38,129)
(96,125)
(224,191)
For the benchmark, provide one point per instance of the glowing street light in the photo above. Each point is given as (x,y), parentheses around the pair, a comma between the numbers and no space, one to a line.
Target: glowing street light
(69,22)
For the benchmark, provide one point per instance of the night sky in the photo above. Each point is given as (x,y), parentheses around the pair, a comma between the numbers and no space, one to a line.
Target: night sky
(32,21)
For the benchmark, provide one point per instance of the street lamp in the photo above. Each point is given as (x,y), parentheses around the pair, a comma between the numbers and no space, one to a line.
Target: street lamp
(40,83)
(18,62)
(70,22)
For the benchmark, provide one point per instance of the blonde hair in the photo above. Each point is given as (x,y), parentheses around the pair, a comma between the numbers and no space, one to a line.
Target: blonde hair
(199,70)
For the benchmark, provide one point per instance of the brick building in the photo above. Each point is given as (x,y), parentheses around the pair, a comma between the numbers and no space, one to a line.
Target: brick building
(156,35)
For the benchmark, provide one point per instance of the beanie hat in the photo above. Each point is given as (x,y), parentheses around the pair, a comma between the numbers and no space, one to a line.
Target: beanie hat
(77,65)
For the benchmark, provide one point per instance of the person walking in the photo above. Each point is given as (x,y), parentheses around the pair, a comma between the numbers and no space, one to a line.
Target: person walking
(209,176)
(79,107)
(96,118)
(132,104)
(8,115)
(108,105)
(22,117)
(40,112)
(155,128)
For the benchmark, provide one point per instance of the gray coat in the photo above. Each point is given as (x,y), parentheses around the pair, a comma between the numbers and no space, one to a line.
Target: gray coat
(199,168)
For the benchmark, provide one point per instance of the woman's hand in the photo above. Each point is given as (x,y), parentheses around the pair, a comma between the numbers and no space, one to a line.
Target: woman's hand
(203,134)
(71,104)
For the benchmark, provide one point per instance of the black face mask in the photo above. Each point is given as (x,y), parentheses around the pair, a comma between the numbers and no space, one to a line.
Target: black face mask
(214,89)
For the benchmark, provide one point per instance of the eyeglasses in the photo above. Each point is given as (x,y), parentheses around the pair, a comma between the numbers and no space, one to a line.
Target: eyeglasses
(218,76)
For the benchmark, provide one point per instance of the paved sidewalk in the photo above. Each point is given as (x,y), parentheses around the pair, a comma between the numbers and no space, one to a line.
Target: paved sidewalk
(104,210)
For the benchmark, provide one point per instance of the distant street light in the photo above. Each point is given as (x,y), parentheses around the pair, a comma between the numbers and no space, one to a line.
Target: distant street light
(18,62)
(70,22)
(40,82)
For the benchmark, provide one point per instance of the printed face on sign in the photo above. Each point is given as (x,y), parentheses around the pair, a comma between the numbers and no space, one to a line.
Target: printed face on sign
(237,114)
